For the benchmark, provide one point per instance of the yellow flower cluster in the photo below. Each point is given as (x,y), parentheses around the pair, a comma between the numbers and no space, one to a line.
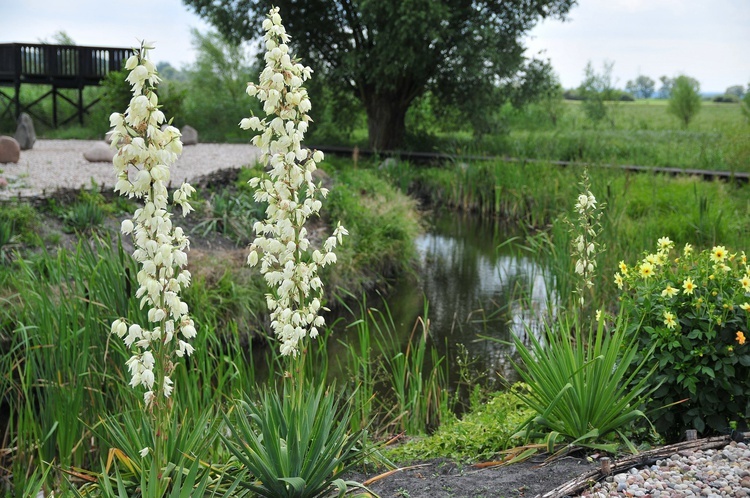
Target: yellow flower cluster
(712,285)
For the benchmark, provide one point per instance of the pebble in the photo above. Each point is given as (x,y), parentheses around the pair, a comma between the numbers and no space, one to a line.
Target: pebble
(703,473)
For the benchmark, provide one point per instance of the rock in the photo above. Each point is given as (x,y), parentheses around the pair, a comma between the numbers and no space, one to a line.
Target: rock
(25,133)
(189,135)
(99,153)
(10,150)
(3,183)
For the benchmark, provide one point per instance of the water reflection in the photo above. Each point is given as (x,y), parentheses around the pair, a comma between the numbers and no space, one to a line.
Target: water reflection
(475,285)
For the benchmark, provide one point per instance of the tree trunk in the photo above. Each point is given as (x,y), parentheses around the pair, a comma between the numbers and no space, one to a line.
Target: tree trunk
(386,116)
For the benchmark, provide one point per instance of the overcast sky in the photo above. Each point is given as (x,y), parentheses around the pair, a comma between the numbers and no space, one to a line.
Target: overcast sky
(706,39)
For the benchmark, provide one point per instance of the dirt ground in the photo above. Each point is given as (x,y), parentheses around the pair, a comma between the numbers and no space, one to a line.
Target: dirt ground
(444,479)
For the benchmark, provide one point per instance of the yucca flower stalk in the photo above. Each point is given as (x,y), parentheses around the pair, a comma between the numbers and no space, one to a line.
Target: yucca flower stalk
(287,259)
(145,153)
(585,229)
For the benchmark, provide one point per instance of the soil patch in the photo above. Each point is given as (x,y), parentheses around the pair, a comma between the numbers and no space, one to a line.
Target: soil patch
(444,479)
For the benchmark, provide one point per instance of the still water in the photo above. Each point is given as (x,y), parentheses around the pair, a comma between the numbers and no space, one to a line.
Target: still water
(477,281)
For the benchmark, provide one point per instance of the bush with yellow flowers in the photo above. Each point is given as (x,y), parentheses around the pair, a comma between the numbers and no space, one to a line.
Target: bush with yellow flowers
(694,307)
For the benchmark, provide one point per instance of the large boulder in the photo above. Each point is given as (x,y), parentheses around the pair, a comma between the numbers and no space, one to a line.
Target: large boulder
(189,135)
(99,153)
(25,133)
(10,150)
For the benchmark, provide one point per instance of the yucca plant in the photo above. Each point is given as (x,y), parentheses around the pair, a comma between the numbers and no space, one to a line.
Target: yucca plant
(295,443)
(580,385)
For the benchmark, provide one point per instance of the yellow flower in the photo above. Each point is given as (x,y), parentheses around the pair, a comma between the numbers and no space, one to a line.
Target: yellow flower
(687,250)
(699,302)
(745,306)
(669,320)
(743,258)
(740,338)
(730,349)
(623,268)
(689,286)
(669,292)
(618,280)
(745,281)
(653,259)
(647,269)
(665,244)
(718,254)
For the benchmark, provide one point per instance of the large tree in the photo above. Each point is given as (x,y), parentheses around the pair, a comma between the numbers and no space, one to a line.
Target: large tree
(389,52)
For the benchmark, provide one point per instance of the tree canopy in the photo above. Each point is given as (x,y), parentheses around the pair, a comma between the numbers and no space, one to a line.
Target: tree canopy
(642,88)
(468,53)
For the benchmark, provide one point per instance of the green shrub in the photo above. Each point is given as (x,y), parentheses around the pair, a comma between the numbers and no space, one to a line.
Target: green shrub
(483,432)
(694,310)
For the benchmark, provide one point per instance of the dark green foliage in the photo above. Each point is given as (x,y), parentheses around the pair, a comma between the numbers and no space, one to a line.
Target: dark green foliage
(726,99)
(388,53)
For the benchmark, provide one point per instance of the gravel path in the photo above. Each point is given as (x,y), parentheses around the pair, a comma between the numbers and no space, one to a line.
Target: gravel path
(54,164)
(703,473)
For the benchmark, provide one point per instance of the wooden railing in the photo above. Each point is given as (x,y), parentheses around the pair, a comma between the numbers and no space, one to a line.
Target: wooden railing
(62,65)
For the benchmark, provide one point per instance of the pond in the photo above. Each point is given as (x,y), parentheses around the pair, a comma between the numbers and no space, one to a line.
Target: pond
(476,280)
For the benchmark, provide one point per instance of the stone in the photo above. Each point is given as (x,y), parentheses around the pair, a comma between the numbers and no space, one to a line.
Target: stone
(10,150)
(189,135)
(25,133)
(99,153)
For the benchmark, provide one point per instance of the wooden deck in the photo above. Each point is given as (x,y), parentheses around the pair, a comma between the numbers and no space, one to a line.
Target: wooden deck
(59,66)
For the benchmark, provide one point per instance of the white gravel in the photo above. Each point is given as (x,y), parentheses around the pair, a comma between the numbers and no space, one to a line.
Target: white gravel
(710,473)
(53,164)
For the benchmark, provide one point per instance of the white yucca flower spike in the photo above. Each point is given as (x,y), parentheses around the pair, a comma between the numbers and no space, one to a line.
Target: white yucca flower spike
(585,230)
(287,260)
(145,153)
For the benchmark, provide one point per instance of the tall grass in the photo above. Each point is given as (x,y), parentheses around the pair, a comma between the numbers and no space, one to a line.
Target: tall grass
(60,372)
(399,384)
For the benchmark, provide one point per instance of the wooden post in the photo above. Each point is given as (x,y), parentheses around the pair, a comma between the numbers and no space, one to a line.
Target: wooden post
(606,465)
(691,435)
